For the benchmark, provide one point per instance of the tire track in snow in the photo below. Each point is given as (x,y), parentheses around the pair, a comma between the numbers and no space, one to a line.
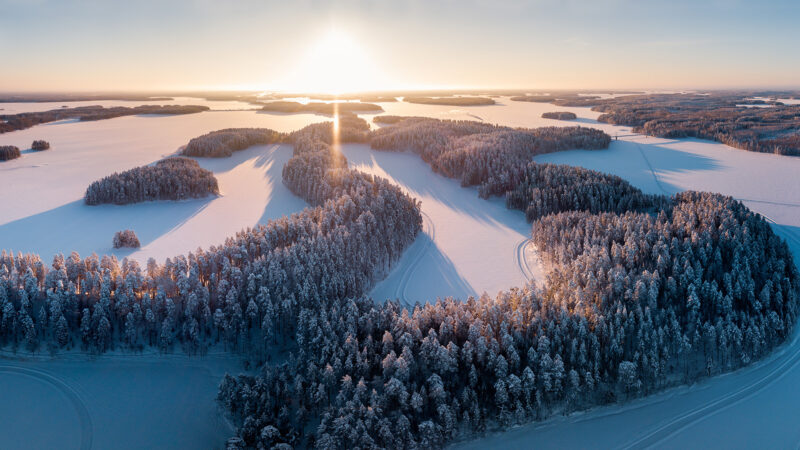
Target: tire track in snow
(522,261)
(84,418)
(683,421)
(659,435)
(400,290)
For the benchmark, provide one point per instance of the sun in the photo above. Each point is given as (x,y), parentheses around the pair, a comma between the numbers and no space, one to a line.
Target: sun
(335,64)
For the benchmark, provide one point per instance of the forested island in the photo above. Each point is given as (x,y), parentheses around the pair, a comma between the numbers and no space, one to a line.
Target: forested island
(222,143)
(21,121)
(450,101)
(560,115)
(320,107)
(721,117)
(8,152)
(644,292)
(40,145)
(173,178)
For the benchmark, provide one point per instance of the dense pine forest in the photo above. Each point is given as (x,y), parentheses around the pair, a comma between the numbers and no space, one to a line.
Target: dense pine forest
(643,292)
(175,178)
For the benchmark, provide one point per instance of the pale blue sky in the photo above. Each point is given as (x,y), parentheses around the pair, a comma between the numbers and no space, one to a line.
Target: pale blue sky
(149,44)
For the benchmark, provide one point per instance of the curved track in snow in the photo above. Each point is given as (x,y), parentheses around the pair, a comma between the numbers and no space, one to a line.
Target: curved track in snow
(661,433)
(522,261)
(429,229)
(784,363)
(85,419)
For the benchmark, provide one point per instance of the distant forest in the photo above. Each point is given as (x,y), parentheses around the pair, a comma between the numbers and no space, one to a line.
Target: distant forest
(560,115)
(320,107)
(451,101)
(643,292)
(21,121)
(733,118)
(729,119)
(173,178)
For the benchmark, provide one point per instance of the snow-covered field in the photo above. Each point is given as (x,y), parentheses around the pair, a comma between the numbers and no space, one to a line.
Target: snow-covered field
(469,246)
(120,402)
(41,206)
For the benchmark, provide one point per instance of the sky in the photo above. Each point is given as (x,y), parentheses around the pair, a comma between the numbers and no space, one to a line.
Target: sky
(92,45)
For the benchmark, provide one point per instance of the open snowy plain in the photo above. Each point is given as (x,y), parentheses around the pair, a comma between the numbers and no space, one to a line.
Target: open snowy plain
(469,246)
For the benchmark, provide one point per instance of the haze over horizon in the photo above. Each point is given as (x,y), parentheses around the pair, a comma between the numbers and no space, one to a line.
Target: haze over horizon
(357,45)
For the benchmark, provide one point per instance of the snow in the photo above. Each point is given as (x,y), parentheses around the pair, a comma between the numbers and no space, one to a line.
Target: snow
(113,401)
(41,207)
(469,245)
(756,407)
(216,105)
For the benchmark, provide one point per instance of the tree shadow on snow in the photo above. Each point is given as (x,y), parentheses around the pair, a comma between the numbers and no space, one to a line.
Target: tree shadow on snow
(87,229)
(414,175)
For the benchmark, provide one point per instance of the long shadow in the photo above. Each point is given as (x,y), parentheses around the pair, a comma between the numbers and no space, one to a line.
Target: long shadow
(413,174)
(432,276)
(86,229)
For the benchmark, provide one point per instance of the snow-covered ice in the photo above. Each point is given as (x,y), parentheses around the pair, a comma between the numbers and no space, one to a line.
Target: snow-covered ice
(469,245)
(113,401)
(41,206)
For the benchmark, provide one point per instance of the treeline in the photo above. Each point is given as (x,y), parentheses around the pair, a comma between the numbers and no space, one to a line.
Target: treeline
(173,178)
(721,117)
(559,115)
(451,101)
(22,121)
(477,153)
(8,152)
(222,143)
(332,108)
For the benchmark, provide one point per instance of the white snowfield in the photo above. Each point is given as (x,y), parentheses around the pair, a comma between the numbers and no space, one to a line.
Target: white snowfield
(41,200)
(469,246)
(113,401)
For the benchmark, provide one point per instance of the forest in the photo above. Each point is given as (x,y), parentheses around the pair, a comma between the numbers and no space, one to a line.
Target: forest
(222,143)
(722,117)
(8,152)
(451,101)
(643,292)
(559,115)
(21,121)
(174,178)
(320,107)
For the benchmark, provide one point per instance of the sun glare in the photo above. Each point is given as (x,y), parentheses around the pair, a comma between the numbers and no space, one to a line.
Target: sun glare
(335,64)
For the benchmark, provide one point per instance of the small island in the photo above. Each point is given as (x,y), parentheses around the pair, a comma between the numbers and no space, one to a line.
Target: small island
(451,101)
(559,115)
(175,178)
(8,152)
(126,239)
(320,107)
(40,145)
